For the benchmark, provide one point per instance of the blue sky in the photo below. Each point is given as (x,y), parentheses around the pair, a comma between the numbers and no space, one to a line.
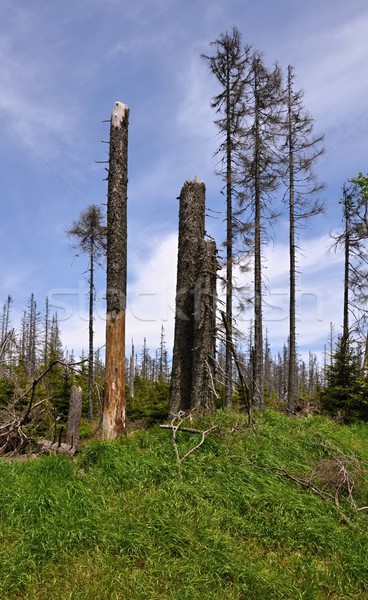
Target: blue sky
(62,66)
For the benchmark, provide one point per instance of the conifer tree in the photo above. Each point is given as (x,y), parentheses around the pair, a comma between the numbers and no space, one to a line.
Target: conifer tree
(259,178)
(90,235)
(301,150)
(228,65)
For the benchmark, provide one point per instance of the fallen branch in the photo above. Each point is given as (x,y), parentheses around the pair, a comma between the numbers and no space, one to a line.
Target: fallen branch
(56,447)
(177,427)
(303,482)
(187,429)
(307,483)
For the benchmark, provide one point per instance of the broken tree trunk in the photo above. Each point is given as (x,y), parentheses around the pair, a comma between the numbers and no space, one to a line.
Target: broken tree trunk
(192,380)
(74,417)
(113,421)
(204,349)
(191,234)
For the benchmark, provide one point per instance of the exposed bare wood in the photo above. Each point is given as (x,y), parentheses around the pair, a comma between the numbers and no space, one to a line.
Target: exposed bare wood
(175,426)
(113,422)
(74,417)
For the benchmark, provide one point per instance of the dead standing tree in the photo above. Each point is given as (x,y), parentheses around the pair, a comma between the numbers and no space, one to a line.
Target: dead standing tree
(194,337)
(113,422)
(204,349)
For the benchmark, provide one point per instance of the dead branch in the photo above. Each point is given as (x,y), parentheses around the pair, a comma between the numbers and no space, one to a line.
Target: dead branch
(32,388)
(9,337)
(13,433)
(243,383)
(178,427)
(211,380)
(303,482)
(346,483)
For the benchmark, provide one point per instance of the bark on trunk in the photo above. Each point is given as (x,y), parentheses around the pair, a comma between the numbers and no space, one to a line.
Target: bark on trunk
(258,391)
(365,364)
(74,417)
(191,234)
(229,252)
(203,373)
(345,330)
(292,372)
(113,423)
(131,373)
(90,328)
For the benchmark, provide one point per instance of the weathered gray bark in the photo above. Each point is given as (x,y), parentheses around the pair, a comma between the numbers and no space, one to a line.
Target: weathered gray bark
(345,329)
(74,417)
(365,363)
(131,373)
(204,349)
(90,333)
(191,235)
(293,366)
(301,151)
(113,423)
(228,65)
(258,391)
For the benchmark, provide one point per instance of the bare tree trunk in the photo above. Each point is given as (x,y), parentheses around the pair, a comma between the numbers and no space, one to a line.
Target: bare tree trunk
(365,363)
(345,329)
(258,394)
(114,413)
(131,373)
(5,318)
(293,372)
(191,234)
(74,417)
(90,336)
(46,332)
(203,375)
(229,252)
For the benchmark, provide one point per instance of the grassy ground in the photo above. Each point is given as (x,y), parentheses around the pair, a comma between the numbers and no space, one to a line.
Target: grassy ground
(116,521)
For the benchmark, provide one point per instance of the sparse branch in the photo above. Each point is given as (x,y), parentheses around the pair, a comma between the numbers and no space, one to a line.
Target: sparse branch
(175,426)
(13,433)
(243,383)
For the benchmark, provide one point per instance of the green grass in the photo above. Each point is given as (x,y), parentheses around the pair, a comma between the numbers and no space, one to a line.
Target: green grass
(116,521)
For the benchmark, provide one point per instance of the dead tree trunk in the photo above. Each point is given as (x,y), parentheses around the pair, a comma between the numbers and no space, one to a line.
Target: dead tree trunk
(131,373)
(191,234)
(204,349)
(113,422)
(74,417)
(192,381)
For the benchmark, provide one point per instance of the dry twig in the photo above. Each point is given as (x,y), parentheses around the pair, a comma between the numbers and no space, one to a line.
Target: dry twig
(175,427)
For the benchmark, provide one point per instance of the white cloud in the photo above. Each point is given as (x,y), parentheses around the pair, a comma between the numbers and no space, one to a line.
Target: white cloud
(150,302)
(151,298)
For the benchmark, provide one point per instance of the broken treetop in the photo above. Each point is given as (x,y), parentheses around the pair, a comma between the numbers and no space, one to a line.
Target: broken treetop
(118,113)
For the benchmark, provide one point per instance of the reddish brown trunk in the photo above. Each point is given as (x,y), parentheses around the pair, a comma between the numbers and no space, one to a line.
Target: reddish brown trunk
(113,424)
(114,405)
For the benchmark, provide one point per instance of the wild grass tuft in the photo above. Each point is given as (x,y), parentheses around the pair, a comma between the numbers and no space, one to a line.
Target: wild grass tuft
(116,521)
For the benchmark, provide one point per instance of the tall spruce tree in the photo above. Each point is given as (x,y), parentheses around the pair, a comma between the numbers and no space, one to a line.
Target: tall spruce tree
(359,249)
(259,179)
(90,235)
(301,150)
(228,65)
